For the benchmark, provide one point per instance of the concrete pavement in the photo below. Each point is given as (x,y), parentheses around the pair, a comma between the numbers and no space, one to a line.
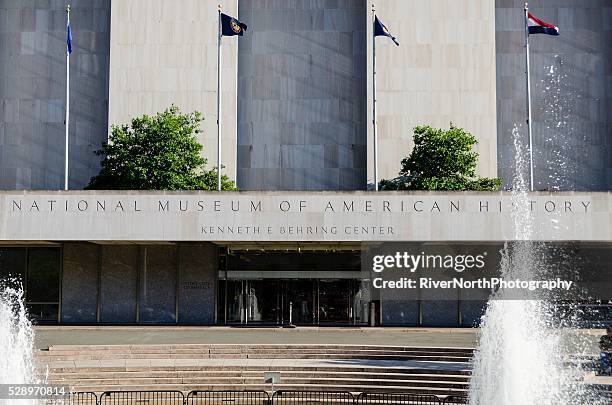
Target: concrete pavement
(426,337)
(68,335)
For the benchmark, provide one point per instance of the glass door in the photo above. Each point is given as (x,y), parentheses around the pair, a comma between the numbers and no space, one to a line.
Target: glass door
(253,301)
(298,298)
(270,301)
(360,294)
(262,301)
(334,301)
(235,301)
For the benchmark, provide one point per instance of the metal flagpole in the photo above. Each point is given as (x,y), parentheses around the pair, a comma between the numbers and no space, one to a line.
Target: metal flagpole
(374,121)
(527,74)
(219,34)
(67,100)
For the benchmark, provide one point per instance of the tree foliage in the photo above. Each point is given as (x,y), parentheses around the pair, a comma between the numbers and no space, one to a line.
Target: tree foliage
(158,152)
(441,160)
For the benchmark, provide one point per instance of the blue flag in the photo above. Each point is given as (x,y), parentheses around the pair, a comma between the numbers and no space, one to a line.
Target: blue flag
(381,30)
(68,39)
(231,26)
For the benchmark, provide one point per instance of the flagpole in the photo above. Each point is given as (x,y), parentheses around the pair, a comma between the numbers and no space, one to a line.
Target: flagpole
(67,123)
(528,85)
(374,121)
(219,34)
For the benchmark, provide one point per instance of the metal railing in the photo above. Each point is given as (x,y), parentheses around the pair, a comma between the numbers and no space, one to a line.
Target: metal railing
(74,398)
(312,397)
(455,399)
(198,397)
(396,398)
(142,397)
(255,397)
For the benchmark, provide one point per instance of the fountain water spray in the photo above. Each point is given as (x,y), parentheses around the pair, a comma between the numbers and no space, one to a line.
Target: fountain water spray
(522,357)
(558,99)
(16,340)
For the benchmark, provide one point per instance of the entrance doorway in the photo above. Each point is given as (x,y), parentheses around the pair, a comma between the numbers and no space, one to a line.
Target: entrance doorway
(298,301)
(293,301)
(259,287)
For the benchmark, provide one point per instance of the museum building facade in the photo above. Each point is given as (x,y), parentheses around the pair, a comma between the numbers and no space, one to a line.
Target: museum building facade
(297,137)
(262,258)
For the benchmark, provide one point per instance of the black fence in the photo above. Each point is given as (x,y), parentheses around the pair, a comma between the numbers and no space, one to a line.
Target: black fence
(74,398)
(228,398)
(455,399)
(393,398)
(312,397)
(142,397)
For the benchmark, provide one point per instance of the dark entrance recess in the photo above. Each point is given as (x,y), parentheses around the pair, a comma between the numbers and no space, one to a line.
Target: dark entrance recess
(300,288)
(38,271)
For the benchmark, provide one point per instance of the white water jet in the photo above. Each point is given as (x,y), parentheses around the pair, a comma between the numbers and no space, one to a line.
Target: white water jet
(522,357)
(558,100)
(16,340)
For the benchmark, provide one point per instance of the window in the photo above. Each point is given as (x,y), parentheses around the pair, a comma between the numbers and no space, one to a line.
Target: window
(12,265)
(43,283)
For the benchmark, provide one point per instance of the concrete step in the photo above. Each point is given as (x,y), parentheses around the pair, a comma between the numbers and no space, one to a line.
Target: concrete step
(380,356)
(304,380)
(418,370)
(258,356)
(257,374)
(152,365)
(72,350)
(247,348)
(266,387)
(145,350)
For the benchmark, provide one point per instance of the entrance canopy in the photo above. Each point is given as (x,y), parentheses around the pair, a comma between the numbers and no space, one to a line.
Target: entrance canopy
(260,217)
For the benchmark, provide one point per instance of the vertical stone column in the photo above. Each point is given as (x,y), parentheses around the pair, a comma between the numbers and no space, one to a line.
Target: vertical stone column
(158,282)
(442,72)
(571,93)
(165,52)
(197,283)
(79,283)
(302,95)
(118,289)
(32,91)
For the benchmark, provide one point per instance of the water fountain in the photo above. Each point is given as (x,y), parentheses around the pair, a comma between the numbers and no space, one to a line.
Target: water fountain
(16,339)
(518,360)
(523,355)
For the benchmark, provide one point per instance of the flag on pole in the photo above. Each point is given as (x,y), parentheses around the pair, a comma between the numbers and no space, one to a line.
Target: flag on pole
(67,121)
(68,38)
(381,30)
(537,26)
(231,26)
(227,26)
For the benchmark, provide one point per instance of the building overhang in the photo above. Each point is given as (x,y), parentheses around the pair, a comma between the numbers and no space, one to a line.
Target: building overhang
(327,217)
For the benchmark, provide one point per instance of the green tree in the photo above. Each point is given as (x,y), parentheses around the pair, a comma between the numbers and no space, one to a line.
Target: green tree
(441,160)
(156,153)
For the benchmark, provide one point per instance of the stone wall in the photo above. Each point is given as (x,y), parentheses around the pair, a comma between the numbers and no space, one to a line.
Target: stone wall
(33,91)
(119,270)
(139,284)
(197,283)
(571,93)
(356,216)
(432,313)
(302,95)
(80,278)
(165,52)
(442,72)
(158,284)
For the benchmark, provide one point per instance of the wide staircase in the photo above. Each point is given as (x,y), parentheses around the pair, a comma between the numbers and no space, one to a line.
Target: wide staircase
(187,367)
